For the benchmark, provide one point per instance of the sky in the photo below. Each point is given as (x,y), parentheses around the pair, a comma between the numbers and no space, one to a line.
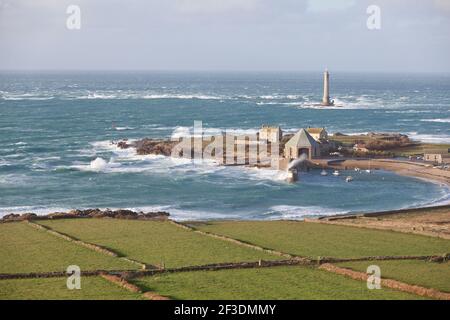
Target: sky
(226,35)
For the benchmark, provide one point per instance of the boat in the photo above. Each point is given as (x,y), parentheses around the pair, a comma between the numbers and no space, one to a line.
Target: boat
(336,173)
(324,173)
(349,179)
(368,170)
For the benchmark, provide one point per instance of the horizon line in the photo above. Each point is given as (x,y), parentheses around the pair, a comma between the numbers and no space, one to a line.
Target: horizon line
(33,70)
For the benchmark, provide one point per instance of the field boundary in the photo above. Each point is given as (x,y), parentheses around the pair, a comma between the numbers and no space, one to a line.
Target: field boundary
(87,245)
(132,273)
(312,260)
(388,283)
(127,274)
(342,222)
(434,258)
(123,283)
(240,242)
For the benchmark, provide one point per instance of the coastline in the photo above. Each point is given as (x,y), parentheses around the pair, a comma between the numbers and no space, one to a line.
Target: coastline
(405,168)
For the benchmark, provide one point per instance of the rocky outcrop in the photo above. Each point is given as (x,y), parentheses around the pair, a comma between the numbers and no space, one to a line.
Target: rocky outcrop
(18,217)
(150,146)
(89,213)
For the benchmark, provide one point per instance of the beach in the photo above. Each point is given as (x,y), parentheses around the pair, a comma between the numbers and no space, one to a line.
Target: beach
(407,168)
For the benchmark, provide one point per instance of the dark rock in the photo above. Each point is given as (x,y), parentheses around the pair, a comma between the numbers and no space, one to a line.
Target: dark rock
(89,213)
(11,216)
(28,216)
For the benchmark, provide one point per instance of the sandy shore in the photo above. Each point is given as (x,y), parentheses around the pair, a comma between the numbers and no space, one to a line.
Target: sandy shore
(407,168)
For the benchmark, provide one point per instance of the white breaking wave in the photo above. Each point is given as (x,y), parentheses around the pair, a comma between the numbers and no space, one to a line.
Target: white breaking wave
(430,138)
(145,95)
(175,212)
(286,212)
(128,161)
(437,120)
(39,210)
(182,132)
(123,128)
(14,179)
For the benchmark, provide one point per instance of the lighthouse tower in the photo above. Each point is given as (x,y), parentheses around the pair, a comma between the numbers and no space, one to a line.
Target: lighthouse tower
(326,90)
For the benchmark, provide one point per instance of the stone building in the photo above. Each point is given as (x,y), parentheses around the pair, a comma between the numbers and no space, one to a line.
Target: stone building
(271,134)
(319,134)
(437,158)
(302,143)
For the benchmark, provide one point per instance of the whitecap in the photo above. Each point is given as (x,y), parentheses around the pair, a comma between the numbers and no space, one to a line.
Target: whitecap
(447,120)
(286,212)
(429,138)
(123,128)
(39,210)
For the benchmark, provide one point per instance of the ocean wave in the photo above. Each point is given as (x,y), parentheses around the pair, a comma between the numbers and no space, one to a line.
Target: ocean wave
(128,161)
(412,111)
(430,138)
(340,102)
(447,120)
(286,212)
(176,213)
(181,132)
(179,214)
(25,97)
(123,128)
(266,174)
(114,95)
(14,180)
(39,210)
(4,163)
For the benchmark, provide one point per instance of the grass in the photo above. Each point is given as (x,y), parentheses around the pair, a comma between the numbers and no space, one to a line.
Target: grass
(426,274)
(313,240)
(154,242)
(25,249)
(422,148)
(92,288)
(262,284)
(416,149)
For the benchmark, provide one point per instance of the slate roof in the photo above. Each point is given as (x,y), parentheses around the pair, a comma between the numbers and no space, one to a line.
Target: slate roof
(302,139)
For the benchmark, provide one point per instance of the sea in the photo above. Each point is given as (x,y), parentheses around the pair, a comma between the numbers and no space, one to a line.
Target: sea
(57,129)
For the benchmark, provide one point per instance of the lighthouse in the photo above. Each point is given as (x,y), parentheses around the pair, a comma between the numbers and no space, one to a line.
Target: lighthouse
(326,90)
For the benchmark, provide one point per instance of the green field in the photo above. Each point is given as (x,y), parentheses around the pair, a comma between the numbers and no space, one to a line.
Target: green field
(154,242)
(92,288)
(426,274)
(26,249)
(266,283)
(313,240)
(421,149)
